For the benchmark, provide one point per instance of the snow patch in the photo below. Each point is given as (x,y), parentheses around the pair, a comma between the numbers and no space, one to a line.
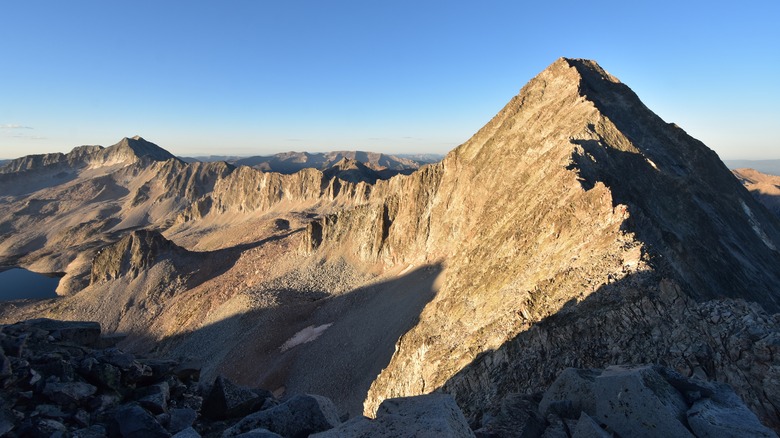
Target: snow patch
(756,228)
(308,334)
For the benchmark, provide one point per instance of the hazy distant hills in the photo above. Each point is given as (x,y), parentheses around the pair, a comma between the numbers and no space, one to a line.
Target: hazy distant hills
(290,162)
(771,167)
(353,166)
(575,229)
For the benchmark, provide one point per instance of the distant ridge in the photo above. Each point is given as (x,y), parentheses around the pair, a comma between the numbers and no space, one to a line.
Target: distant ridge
(771,167)
(126,151)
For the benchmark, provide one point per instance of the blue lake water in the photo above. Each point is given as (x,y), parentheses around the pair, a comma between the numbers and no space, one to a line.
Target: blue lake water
(18,283)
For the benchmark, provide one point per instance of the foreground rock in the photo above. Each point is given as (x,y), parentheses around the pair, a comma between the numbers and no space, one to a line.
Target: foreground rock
(432,415)
(641,401)
(61,379)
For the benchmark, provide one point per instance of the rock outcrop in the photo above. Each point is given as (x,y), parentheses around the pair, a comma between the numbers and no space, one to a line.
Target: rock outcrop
(639,401)
(134,253)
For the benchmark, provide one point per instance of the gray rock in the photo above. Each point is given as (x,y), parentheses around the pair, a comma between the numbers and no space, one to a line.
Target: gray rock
(77,332)
(117,358)
(106,375)
(155,398)
(572,392)
(556,428)
(588,428)
(95,431)
(135,422)
(639,402)
(298,417)
(68,393)
(5,365)
(712,419)
(49,427)
(228,400)
(50,411)
(519,417)
(187,433)
(259,433)
(6,421)
(431,415)
(181,419)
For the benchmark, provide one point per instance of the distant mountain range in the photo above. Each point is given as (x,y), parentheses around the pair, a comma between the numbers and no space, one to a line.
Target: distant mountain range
(771,167)
(363,166)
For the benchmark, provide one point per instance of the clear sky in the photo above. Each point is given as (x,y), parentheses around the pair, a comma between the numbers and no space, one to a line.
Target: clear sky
(256,77)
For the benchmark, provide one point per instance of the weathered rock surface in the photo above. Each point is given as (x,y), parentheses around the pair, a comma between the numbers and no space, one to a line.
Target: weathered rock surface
(600,207)
(638,401)
(300,416)
(432,415)
(228,400)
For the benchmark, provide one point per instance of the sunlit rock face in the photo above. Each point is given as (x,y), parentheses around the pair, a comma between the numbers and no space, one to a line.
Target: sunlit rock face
(576,229)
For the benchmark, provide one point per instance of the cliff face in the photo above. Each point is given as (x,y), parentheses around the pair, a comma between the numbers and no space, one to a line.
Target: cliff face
(574,185)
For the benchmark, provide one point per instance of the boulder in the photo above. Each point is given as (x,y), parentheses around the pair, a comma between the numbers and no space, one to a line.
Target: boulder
(6,421)
(639,402)
(431,415)
(155,398)
(519,417)
(69,393)
(5,365)
(259,433)
(181,419)
(94,431)
(106,375)
(228,400)
(298,417)
(187,433)
(134,421)
(571,393)
(77,332)
(725,417)
(588,428)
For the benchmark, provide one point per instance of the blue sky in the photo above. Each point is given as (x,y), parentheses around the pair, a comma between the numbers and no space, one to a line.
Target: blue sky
(256,77)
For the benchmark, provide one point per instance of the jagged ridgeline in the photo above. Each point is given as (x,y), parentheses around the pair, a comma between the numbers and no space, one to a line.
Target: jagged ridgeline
(576,229)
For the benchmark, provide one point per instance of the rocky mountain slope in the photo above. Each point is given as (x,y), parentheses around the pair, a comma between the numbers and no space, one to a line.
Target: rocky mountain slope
(765,188)
(576,229)
(64,378)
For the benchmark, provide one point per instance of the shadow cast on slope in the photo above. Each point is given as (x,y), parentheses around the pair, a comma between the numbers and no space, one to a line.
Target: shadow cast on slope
(333,346)
(700,223)
(639,319)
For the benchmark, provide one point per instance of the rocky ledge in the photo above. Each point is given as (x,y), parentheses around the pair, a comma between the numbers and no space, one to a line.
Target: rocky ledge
(64,379)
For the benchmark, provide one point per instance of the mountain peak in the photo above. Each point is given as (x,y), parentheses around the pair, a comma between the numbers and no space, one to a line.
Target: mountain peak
(137,147)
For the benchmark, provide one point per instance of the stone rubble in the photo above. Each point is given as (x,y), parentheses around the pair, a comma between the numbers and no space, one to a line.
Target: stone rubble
(62,379)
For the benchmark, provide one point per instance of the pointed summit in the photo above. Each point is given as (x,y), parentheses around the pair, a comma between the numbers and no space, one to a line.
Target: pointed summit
(684,202)
(139,148)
